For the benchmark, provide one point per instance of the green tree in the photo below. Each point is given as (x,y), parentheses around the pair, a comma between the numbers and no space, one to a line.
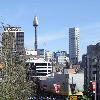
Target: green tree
(14,85)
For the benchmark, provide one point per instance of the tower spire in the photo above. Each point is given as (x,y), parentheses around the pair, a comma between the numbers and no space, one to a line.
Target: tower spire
(35,24)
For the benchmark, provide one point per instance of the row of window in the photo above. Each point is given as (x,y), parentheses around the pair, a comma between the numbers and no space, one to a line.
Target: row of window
(40,64)
(43,71)
(42,67)
(41,74)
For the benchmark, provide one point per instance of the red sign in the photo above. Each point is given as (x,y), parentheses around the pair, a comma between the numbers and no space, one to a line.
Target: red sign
(94,86)
(57,88)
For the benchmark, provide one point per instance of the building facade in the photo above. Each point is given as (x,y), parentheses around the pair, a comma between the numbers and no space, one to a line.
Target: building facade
(60,54)
(63,60)
(61,80)
(41,53)
(93,67)
(49,55)
(74,45)
(38,67)
(78,80)
(30,54)
(13,41)
(84,66)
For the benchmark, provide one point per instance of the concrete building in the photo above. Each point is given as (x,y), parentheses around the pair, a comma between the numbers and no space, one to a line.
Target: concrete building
(60,54)
(64,80)
(56,79)
(74,45)
(49,56)
(78,80)
(38,67)
(30,54)
(63,60)
(84,66)
(93,67)
(41,53)
(13,40)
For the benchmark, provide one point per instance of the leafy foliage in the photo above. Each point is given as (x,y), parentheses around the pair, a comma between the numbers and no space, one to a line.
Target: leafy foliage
(14,85)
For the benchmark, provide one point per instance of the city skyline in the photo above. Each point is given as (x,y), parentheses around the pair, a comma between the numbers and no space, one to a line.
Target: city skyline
(55,18)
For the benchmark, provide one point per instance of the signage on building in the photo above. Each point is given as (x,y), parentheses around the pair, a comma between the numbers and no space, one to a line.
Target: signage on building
(10,28)
(93,86)
(72,97)
(57,88)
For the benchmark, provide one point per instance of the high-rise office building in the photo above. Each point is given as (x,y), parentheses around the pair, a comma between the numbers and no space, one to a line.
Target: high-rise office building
(74,45)
(13,40)
(92,71)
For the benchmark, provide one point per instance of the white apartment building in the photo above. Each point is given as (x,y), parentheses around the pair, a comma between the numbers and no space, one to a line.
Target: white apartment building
(38,67)
(63,60)
(49,55)
(74,45)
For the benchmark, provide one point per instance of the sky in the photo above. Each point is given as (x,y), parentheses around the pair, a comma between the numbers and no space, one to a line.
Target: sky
(55,18)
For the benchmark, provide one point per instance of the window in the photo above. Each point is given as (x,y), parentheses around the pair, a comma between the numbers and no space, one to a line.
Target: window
(40,67)
(41,64)
(41,71)
(49,70)
(41,74)
(94,72)
(49,64)
(94,66)
(93,78)
(48,67)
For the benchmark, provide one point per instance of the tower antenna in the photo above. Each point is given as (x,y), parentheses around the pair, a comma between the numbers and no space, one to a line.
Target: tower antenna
(35,24)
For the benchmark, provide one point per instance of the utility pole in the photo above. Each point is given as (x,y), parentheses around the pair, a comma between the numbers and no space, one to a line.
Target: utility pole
(95,87)
(72,85)
(35,24)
